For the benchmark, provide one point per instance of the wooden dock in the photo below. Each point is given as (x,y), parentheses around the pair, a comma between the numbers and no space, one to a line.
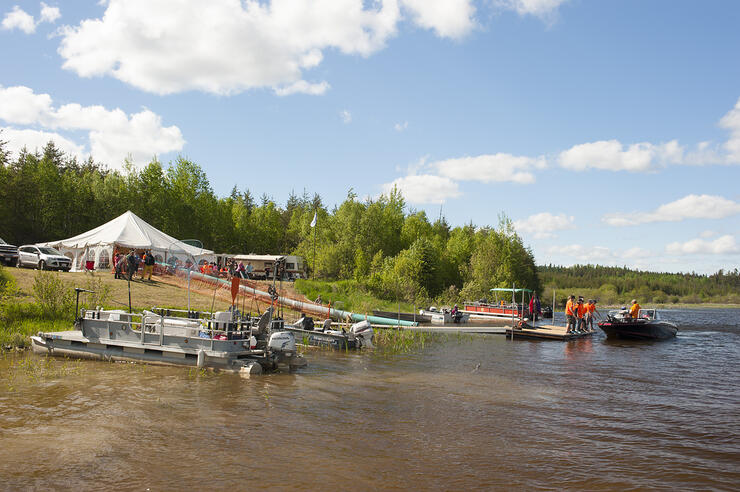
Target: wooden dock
(545,332)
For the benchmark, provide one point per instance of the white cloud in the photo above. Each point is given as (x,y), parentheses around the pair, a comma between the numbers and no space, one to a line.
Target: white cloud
(19,19)
(707,234)
(49,14)
(491,168)
(721,246)
(731,121)
(399,127)
(448,18)
(425,188)
(34,140)
(611,155)
(540,8)
(303,87)
(178,45)
(688,207)
(113,135)
(542,225)
(346,116)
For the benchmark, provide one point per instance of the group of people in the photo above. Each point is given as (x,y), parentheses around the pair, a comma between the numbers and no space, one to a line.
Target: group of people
(231,268)
(126,266)
(580,315)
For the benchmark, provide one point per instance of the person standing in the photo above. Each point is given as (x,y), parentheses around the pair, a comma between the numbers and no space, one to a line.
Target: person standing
(590,315)
(132,264)
(580,313)
(149,262)
(570,315)
(249,269)
(634,309)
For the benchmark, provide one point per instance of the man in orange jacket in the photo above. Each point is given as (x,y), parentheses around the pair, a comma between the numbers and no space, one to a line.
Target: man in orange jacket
(581,311)
(570,315)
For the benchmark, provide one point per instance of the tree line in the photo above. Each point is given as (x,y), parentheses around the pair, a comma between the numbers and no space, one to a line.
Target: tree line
(388,248)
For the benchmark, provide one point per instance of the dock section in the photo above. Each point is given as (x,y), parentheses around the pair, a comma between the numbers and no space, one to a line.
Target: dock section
(545,332)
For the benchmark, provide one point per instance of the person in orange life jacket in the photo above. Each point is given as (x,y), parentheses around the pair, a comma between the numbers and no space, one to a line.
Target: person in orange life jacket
(634,309)
(570,314)
(580,313)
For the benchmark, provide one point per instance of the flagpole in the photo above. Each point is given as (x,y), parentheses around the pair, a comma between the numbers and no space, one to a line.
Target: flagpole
(313,226)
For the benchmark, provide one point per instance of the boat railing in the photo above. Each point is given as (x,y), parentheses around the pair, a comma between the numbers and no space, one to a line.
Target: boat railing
(208,329)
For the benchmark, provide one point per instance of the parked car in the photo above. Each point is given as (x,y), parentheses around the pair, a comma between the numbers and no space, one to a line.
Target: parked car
(42,258)
(8,253)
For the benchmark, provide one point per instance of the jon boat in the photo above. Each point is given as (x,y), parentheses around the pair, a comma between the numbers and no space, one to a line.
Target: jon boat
(221,341)
(358,336)
(647,326)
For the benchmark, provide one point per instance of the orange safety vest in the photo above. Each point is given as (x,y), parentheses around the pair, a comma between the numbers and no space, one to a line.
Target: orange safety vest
(581,310)
(634,310)
(569,308)
(591,307)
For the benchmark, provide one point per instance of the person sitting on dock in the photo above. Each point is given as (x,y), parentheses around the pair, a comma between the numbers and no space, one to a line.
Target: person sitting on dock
(580,313)
(634,309)
(570,315)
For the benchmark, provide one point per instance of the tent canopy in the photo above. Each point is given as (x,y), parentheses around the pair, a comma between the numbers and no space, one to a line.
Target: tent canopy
(129,231)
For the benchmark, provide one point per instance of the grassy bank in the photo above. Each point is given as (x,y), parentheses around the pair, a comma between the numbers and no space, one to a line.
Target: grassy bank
(349,295)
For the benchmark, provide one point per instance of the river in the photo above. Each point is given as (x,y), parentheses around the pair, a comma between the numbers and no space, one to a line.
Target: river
(463,412)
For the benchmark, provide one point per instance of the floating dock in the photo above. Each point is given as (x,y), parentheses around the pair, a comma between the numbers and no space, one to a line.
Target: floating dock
(545,332)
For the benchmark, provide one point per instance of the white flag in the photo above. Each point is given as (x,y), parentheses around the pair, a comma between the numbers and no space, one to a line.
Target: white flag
(313,222)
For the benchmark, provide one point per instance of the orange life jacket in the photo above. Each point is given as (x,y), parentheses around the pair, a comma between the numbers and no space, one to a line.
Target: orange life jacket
(569,308)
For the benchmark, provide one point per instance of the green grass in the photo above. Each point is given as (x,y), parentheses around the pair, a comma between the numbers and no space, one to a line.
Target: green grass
(352,295)
(18,321)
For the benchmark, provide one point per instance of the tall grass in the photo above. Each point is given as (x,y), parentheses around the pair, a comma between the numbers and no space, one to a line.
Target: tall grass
(352,294)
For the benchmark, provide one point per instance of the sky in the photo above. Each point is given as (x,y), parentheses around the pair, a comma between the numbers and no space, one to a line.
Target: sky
(608,131)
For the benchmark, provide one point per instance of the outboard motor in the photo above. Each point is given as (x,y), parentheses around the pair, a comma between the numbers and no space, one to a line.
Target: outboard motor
(282,345)
(364,333)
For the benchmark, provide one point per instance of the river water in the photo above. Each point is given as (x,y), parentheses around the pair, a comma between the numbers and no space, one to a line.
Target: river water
(462,412)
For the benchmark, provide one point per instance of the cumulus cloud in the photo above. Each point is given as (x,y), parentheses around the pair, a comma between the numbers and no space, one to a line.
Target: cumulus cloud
(448,18)
(19,19)
(112,134)
(723,245)
(688,207)
(491,168)
(23,21)
(583,254)
(542,225)
(33,140)
(49,14)
(425,188)
(731,121)
(346,116)
(611,155)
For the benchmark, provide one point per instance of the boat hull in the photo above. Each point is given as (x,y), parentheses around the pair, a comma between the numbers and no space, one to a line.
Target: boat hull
(651,330)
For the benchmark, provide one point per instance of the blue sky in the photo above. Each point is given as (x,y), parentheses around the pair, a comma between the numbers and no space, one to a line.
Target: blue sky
(608,131)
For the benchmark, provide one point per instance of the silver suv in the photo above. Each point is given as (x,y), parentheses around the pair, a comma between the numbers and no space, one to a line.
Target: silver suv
(43,258)
(8,253)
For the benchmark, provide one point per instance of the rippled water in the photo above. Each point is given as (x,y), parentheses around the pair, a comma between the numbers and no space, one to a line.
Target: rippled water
(468,412)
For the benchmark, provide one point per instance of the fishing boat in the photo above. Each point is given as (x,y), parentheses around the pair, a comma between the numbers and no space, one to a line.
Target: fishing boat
(220,341)
(499,308)
(412,317)
(444,316)
(647,325)
(358,336)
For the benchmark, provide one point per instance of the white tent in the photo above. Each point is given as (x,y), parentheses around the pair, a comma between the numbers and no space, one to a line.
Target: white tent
(126,231)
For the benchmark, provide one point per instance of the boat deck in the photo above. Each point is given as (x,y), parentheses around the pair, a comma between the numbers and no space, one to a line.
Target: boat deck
(546,332)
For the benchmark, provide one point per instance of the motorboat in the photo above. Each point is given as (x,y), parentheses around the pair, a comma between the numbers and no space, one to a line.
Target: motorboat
(413,317)
(647,325)
(222,341)
(306,332)
(444,316)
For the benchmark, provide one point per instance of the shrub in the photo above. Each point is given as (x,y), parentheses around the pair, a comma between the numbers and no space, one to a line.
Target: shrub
(53,295)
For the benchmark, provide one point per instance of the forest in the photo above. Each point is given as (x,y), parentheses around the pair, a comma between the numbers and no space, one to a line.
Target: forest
(381,245)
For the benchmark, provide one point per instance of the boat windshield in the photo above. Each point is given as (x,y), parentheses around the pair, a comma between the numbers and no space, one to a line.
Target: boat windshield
(647,314)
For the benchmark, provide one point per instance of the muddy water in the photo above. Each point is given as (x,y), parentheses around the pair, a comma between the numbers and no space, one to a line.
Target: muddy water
(469,412)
